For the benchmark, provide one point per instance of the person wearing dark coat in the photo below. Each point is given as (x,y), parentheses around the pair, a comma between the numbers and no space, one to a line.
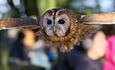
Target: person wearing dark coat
(86,56)
(17,50)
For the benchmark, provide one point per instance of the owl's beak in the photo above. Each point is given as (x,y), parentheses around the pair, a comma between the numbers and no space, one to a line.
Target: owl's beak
(54,29)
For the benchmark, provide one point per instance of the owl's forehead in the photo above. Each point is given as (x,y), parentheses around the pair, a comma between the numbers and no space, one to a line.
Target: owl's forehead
(59,11)
(56,12)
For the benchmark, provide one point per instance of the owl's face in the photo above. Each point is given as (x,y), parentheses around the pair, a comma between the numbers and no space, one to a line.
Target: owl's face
(56,22)
(59,27)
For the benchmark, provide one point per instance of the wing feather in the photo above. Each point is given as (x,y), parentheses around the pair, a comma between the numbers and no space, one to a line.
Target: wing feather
(101,18)
(18,23)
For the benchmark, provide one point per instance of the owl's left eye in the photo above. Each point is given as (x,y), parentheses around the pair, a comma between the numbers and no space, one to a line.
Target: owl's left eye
(61,21)
(49,21)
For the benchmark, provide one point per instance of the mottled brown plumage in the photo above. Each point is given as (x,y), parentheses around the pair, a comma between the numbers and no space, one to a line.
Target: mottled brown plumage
(60,27)
(76,32)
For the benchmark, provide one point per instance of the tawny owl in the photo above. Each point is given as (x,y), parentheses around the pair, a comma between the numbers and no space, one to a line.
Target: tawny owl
(60,27)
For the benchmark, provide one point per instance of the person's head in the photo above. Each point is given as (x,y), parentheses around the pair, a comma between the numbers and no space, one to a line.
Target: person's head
(29,38)
(20,36)
(95,47)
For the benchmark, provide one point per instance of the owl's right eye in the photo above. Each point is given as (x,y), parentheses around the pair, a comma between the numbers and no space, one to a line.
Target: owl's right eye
(61,21)
(49,21)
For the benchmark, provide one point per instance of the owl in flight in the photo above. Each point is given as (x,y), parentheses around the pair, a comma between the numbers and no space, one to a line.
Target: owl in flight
(60,27)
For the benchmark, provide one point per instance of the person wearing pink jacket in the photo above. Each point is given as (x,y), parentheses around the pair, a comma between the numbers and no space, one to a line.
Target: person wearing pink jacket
(110,54)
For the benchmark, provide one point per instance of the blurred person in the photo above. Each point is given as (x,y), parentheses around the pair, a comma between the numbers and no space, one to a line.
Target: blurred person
(37,55)
(86,56)
(17,52)
(110,54)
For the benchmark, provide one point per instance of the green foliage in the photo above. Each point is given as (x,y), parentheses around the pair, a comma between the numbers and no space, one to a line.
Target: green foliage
(37,7)
(43,5)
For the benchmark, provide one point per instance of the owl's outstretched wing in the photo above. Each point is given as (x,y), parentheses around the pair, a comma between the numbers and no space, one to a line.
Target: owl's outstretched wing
(101,18)
(18,23)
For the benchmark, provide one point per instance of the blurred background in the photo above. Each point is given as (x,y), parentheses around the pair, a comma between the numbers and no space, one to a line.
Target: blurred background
(18,49)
